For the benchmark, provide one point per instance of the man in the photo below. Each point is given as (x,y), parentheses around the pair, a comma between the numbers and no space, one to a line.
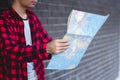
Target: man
(24,43)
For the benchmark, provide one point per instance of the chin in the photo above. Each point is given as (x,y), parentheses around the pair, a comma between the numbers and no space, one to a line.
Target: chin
(31,6)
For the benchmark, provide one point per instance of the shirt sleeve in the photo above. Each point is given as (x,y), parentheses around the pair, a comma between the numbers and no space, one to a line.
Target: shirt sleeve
(20,52)
(45,38)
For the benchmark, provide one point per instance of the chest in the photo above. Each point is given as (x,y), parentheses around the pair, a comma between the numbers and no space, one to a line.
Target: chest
(17,30)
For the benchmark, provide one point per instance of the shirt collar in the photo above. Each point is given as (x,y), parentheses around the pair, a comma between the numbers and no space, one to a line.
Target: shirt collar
(15,15)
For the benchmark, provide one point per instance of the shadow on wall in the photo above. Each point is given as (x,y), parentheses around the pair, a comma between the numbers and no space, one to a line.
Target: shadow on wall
(4,4)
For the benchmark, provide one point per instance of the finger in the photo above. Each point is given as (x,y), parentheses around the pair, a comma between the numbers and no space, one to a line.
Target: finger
(66,47)
(59,51)
(62,40)
(62,48)
(62,44)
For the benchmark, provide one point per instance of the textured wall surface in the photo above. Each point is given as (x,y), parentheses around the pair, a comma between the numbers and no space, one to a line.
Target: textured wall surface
(102,57)
(2,5)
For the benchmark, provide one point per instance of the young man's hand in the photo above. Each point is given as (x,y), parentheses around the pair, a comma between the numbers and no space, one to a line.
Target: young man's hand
(57,46)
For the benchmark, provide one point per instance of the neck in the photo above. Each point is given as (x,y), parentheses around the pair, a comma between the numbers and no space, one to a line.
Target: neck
(20,10)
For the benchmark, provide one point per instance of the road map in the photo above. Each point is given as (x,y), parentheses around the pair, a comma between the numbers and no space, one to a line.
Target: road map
(81,30)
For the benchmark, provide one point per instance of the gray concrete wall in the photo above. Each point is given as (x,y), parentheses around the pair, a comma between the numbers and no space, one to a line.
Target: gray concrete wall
(101,59)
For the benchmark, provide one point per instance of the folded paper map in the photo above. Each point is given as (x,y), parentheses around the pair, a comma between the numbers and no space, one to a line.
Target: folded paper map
(81,29)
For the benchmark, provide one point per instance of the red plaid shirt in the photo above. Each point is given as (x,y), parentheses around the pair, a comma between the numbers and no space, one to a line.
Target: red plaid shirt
(14,54)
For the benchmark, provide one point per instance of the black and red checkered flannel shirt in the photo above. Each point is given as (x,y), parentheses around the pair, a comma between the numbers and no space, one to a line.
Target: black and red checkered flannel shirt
(14,54)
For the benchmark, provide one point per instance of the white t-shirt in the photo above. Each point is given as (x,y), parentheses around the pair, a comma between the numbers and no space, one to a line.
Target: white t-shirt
(30,65)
